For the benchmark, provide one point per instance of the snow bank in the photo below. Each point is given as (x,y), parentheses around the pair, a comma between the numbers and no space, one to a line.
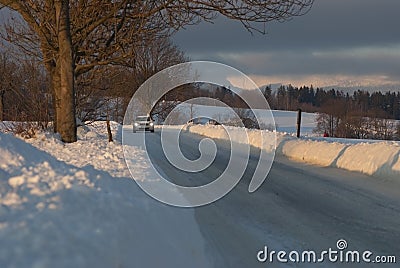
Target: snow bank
(218,132)
(396,166)
(75,205)
(373,157)
(377,158)
(319,153)
(39,175)
(214,132)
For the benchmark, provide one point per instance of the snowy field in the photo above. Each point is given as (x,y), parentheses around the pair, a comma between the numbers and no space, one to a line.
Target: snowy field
(285,121)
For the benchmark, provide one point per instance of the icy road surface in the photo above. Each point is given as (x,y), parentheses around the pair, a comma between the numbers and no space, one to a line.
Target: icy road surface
(299,207)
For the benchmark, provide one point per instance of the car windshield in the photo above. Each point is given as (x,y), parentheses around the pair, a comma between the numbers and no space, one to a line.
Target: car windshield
(143,118)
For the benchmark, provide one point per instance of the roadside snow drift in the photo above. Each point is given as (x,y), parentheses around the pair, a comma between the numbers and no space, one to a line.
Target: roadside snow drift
(75,205)
(319,153)
(378,158)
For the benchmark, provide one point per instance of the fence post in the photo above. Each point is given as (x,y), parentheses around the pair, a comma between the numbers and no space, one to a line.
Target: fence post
(298,122)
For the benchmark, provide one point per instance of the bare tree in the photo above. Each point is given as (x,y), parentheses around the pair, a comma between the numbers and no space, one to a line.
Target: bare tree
(6,68)
(331,118)
(103,87)
(25,96)
(380,127)
(78,35)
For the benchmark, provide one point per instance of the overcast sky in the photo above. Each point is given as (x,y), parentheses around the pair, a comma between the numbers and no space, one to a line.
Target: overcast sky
(339,42)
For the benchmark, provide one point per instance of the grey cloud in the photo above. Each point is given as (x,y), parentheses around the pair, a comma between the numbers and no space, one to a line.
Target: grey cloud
(329,24)
(298,63)
(311,44)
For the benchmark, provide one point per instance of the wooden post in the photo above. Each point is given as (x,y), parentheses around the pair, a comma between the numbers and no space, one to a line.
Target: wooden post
(298,122)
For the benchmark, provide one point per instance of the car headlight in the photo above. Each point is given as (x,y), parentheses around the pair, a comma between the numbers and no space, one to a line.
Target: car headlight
(151,124)
(136,124)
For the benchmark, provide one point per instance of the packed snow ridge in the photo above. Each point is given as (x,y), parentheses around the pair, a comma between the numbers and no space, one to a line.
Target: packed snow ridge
(377,158)
(76,205)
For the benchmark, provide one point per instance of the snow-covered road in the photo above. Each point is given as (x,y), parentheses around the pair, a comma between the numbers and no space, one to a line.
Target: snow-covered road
(299,207)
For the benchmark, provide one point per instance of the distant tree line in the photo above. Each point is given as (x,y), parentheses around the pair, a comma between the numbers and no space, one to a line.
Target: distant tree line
(360,115)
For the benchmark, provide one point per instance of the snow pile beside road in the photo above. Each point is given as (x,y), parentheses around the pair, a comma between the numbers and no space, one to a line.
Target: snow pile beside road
(396,166)
(33,184)
(378,158)
(218,132)
(319,153)
(92,149)
(75,205)
(214,132)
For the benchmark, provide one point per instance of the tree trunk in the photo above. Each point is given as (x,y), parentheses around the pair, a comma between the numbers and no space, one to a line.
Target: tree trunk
(2,105)
(110,137)
(64,93)
(55,83)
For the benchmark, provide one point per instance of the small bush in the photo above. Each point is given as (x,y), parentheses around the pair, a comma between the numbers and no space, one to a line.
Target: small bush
(26,130)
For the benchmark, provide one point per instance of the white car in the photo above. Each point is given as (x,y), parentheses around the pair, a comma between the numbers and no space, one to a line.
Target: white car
(143,122)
